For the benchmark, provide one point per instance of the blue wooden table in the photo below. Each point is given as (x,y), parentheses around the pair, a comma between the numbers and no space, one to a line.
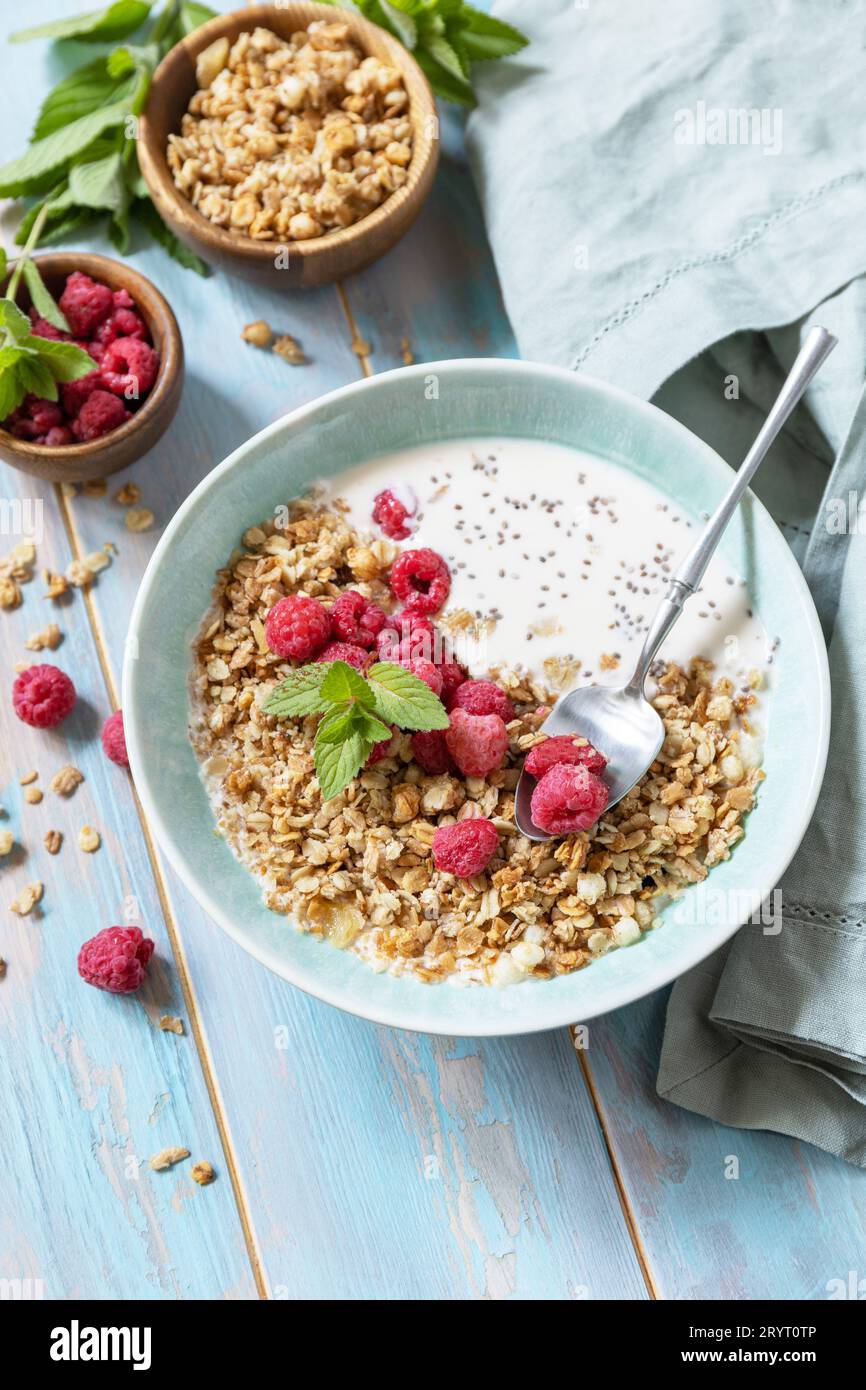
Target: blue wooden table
(352,1161)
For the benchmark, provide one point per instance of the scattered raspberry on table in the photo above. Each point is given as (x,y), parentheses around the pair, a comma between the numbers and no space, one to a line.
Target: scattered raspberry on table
(116,959)
(114,739)
(465,848)
(43,696)
(421,580)
(567,799)
(298,627)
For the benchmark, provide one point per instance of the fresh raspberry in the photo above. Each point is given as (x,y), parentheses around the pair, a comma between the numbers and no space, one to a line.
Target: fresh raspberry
(57,436)
(122,299)
(346,651)
(356,619)
(564,748)
(116,959)
(85,303)
(568,798)
(46,415)
(43,696)
(430,752)
(129,367)
(100,414)
(114,739)
(425,671)
(93,347)
(73,394)
(408,635)
(453,676)
(298,627)
(483,697)
(421,579)
(390,513)
(380,750)
(477,742)
(121,323)
(41,328)
(465,848)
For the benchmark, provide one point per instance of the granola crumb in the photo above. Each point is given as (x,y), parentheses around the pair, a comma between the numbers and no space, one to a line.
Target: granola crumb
(32,795)
(49,638)
(290,350)
(139,519)
(94,487)
(406,352)
(57,584)
(66,780)
(361,347)
(78,575)
(27,899)
(7,840)
(203,1173)
(53,840)
(166,1158)
(258,333)
(2,968)
(170,1024)
(97,561)
(28,778)
(10,593)
(89,839)
(128,495)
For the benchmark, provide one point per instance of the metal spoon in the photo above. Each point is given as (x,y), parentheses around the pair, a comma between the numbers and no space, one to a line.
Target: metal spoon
(620,721)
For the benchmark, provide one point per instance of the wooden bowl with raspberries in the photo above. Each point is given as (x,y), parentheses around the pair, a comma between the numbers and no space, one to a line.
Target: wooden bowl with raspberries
(292,144)
(106,420)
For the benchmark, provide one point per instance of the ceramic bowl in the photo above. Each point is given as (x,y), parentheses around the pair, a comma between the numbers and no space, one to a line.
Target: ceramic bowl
(378,415)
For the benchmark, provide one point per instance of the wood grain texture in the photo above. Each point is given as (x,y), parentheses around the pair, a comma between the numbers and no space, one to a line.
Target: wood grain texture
(92,1087)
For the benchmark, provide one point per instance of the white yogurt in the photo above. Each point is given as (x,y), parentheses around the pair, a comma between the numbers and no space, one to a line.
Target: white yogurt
(561,556)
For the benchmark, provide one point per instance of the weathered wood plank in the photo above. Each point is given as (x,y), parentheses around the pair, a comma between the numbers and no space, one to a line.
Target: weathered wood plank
(92,1087)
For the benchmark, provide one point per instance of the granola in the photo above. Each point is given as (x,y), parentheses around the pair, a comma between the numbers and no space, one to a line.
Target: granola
(290,139)
(358,869)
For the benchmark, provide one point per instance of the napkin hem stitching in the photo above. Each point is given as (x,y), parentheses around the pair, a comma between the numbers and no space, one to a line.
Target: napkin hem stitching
(730,253)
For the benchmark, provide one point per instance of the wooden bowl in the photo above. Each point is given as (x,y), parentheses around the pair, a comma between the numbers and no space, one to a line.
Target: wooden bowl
(319,260)
(75,463)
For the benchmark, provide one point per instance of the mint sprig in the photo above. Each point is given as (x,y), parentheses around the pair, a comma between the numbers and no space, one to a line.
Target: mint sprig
(82,162)
(357,712)
(445,36)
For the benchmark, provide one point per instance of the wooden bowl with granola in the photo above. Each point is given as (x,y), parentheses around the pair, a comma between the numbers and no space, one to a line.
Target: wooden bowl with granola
(85,458)
(292,144)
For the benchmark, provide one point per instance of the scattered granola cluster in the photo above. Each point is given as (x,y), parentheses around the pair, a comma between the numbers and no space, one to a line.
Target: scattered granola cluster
(289,139)
(360,869)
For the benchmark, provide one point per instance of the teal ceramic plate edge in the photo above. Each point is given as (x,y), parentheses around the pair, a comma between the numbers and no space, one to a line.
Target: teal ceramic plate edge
(437,401)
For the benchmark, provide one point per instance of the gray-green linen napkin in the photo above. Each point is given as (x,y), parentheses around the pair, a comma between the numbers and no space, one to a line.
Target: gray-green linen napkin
(674,193)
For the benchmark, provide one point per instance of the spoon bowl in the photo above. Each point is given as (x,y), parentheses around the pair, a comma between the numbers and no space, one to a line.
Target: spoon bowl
(619,722)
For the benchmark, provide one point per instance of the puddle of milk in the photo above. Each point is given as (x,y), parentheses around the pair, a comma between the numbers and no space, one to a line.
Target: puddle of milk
(561,556)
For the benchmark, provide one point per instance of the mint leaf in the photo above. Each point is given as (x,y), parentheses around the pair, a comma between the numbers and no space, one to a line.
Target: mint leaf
(444,83)
(65,361)
(486,37)
(42,299)
(34,170)
(401,698)
(37,379)
(12,391)
(87,89)
(338,762)
(400,23)
(3,264)
(343,682)
(12,319)
(193,14)
(94,26)
(299,694)
(144,212)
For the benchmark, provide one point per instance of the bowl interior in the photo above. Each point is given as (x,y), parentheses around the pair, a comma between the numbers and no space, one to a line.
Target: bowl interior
(431,402)
(174,83)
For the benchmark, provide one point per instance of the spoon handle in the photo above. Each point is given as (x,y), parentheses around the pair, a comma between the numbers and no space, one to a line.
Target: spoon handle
(814,352)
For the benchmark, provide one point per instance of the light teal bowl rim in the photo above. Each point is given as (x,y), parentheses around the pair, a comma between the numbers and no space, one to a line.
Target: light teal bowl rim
(795,767)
